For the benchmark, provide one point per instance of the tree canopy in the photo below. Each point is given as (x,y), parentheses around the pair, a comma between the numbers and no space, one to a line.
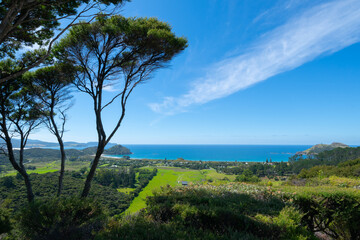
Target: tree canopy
(116,50)
(28,22)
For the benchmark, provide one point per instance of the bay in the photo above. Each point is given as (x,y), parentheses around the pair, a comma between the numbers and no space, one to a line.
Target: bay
(240,153)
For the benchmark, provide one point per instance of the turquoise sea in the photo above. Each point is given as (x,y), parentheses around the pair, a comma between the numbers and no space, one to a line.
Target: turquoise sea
(241,153)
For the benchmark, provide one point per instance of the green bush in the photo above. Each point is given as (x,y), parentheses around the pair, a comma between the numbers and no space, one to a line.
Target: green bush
(247,176)
(211,212)
(288,221)
(335,213)
(142,227)
(5,223)
(71,218)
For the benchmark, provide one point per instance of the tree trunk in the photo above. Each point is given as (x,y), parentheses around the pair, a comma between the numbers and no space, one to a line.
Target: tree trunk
(62,168)
(30,194)
(91,174)
(15,165)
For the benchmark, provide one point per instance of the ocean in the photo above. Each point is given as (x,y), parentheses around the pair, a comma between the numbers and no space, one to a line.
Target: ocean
(240,153)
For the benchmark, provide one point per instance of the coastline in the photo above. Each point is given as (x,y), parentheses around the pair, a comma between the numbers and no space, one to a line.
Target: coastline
(185,160)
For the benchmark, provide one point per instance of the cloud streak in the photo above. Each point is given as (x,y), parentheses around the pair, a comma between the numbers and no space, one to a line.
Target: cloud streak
(321,30)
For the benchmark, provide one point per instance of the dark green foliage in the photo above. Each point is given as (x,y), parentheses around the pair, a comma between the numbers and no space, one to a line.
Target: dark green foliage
(349,168)
(247,176)
(121,177)
(8,182)
(144,177)
(337,214)
(329,158)
(71,218)
(207,212)
(27,22)
(44,187)
(5,223)
(117,150)
(144,228)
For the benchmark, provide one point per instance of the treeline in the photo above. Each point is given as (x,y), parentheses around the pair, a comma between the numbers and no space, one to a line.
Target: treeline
(326,158)
(144,177)
(121,177)
(349,168)
(12,190)
(103,191)
(260,169)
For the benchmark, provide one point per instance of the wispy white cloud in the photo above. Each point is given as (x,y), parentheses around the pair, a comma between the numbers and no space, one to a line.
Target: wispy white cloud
(110,88)
(320,30)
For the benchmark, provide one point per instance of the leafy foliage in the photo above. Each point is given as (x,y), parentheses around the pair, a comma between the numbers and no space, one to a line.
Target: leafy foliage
(349,168)
(5,220)
(247,176)
(44,187)
(329,158)
(122,177)
(209,212)
(59,218)
(335,213)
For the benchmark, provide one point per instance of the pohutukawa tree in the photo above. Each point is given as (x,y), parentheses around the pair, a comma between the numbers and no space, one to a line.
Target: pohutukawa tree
(20,114)
(37,23)
(52,87)
(116,50)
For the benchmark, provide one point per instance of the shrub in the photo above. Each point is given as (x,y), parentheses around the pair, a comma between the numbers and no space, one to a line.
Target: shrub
(5,223)
(289,221)
(335,213)
(71,218)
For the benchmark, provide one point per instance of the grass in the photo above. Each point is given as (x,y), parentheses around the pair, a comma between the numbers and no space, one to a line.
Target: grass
(314,190)
(46,167)
(125,190)
(173,176)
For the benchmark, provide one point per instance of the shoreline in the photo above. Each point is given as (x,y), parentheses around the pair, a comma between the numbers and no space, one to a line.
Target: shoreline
(158,159)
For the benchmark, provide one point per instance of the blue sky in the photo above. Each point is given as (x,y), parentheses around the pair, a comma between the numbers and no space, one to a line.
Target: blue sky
(255,72)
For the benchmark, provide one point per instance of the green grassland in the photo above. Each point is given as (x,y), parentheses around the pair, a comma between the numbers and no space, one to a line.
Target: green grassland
(46,167)
(174,176)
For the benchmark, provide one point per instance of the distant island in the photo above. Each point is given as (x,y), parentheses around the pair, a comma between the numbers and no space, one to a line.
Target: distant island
(318,148)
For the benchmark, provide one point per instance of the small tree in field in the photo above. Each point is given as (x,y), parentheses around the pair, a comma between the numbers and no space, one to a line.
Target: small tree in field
(52,87)
(116,50)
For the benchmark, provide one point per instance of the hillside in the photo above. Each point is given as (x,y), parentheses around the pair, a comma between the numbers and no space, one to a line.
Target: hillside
(49,154)
(318,148)
(117,150)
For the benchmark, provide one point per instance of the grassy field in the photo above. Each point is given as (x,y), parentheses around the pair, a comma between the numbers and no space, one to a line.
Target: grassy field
(43,167)
(173,176)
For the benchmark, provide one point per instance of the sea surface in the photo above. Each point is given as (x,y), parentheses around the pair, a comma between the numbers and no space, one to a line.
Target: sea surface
(240,153)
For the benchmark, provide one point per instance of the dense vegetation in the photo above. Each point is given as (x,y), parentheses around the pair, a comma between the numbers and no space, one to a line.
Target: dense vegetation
(212,207)
(12,189)
(328,158)
(238,211)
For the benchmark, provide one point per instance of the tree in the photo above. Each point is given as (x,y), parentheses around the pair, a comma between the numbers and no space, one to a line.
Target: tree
(51,86)
(30,22)
(116,50)
(20,114)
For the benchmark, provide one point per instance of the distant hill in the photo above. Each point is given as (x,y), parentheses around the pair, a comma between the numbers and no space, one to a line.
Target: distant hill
(117,150)
(52,154)
(318,148)
(42,144)
(55,153)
